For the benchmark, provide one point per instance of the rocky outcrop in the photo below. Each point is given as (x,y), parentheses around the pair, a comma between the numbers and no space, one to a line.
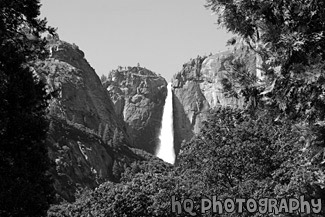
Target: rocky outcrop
(81,158)
(138,95)
(81,97)
(82,106)
(198,87)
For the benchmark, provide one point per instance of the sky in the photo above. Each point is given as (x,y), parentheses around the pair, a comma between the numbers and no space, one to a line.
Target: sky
(160,35)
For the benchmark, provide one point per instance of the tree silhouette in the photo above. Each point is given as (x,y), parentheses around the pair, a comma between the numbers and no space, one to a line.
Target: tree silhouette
(25,186)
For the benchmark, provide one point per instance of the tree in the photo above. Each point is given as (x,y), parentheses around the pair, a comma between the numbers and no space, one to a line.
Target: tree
(237,155)
(100,130)
(118,138)
(117,170)
(106,135)
(289,26)
(103,78)
(289,36)
(26,188)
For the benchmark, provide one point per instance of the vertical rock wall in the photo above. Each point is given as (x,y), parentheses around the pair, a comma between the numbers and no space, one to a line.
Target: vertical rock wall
(198,88)
(82,104)
(138,96)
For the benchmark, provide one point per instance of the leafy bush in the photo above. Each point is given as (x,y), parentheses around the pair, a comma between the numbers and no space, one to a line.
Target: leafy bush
(237,155)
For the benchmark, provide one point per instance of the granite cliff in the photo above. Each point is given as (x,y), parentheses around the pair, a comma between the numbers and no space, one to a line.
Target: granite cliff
(82,99)
(82,106)
(138,96)
(198,88)
(129,103)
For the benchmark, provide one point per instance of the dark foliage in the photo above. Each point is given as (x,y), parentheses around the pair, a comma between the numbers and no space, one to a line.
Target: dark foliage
(26,188)
(237,155)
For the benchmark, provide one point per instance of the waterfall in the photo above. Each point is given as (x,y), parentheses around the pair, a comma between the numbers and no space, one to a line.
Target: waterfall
(165,149)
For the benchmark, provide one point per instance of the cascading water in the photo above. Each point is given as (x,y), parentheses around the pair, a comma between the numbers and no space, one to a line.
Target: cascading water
(165,149)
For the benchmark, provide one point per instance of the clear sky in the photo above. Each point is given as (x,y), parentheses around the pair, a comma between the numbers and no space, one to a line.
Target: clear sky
(161,35)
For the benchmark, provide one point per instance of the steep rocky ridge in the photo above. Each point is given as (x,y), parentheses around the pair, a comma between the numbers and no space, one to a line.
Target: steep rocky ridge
(82,99)
(82,104)
(82,159)
(198,87)
(138,95)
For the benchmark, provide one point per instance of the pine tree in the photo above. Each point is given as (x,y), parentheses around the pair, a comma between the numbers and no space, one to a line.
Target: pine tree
(106,134)
(103,78)
(100,130)
(25,186)
(118,138)
(117,171)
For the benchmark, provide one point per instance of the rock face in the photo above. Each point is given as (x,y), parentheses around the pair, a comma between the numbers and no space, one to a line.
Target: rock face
(81,158)
(81,108)
(82,99)
(138,96)
(128,103)
(198,87)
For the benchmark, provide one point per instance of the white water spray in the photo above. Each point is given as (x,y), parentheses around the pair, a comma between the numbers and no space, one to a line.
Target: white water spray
(165,149)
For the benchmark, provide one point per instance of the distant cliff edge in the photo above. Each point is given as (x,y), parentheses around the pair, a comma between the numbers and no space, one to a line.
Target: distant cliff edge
(198,88)
(138,96)
(78,115)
